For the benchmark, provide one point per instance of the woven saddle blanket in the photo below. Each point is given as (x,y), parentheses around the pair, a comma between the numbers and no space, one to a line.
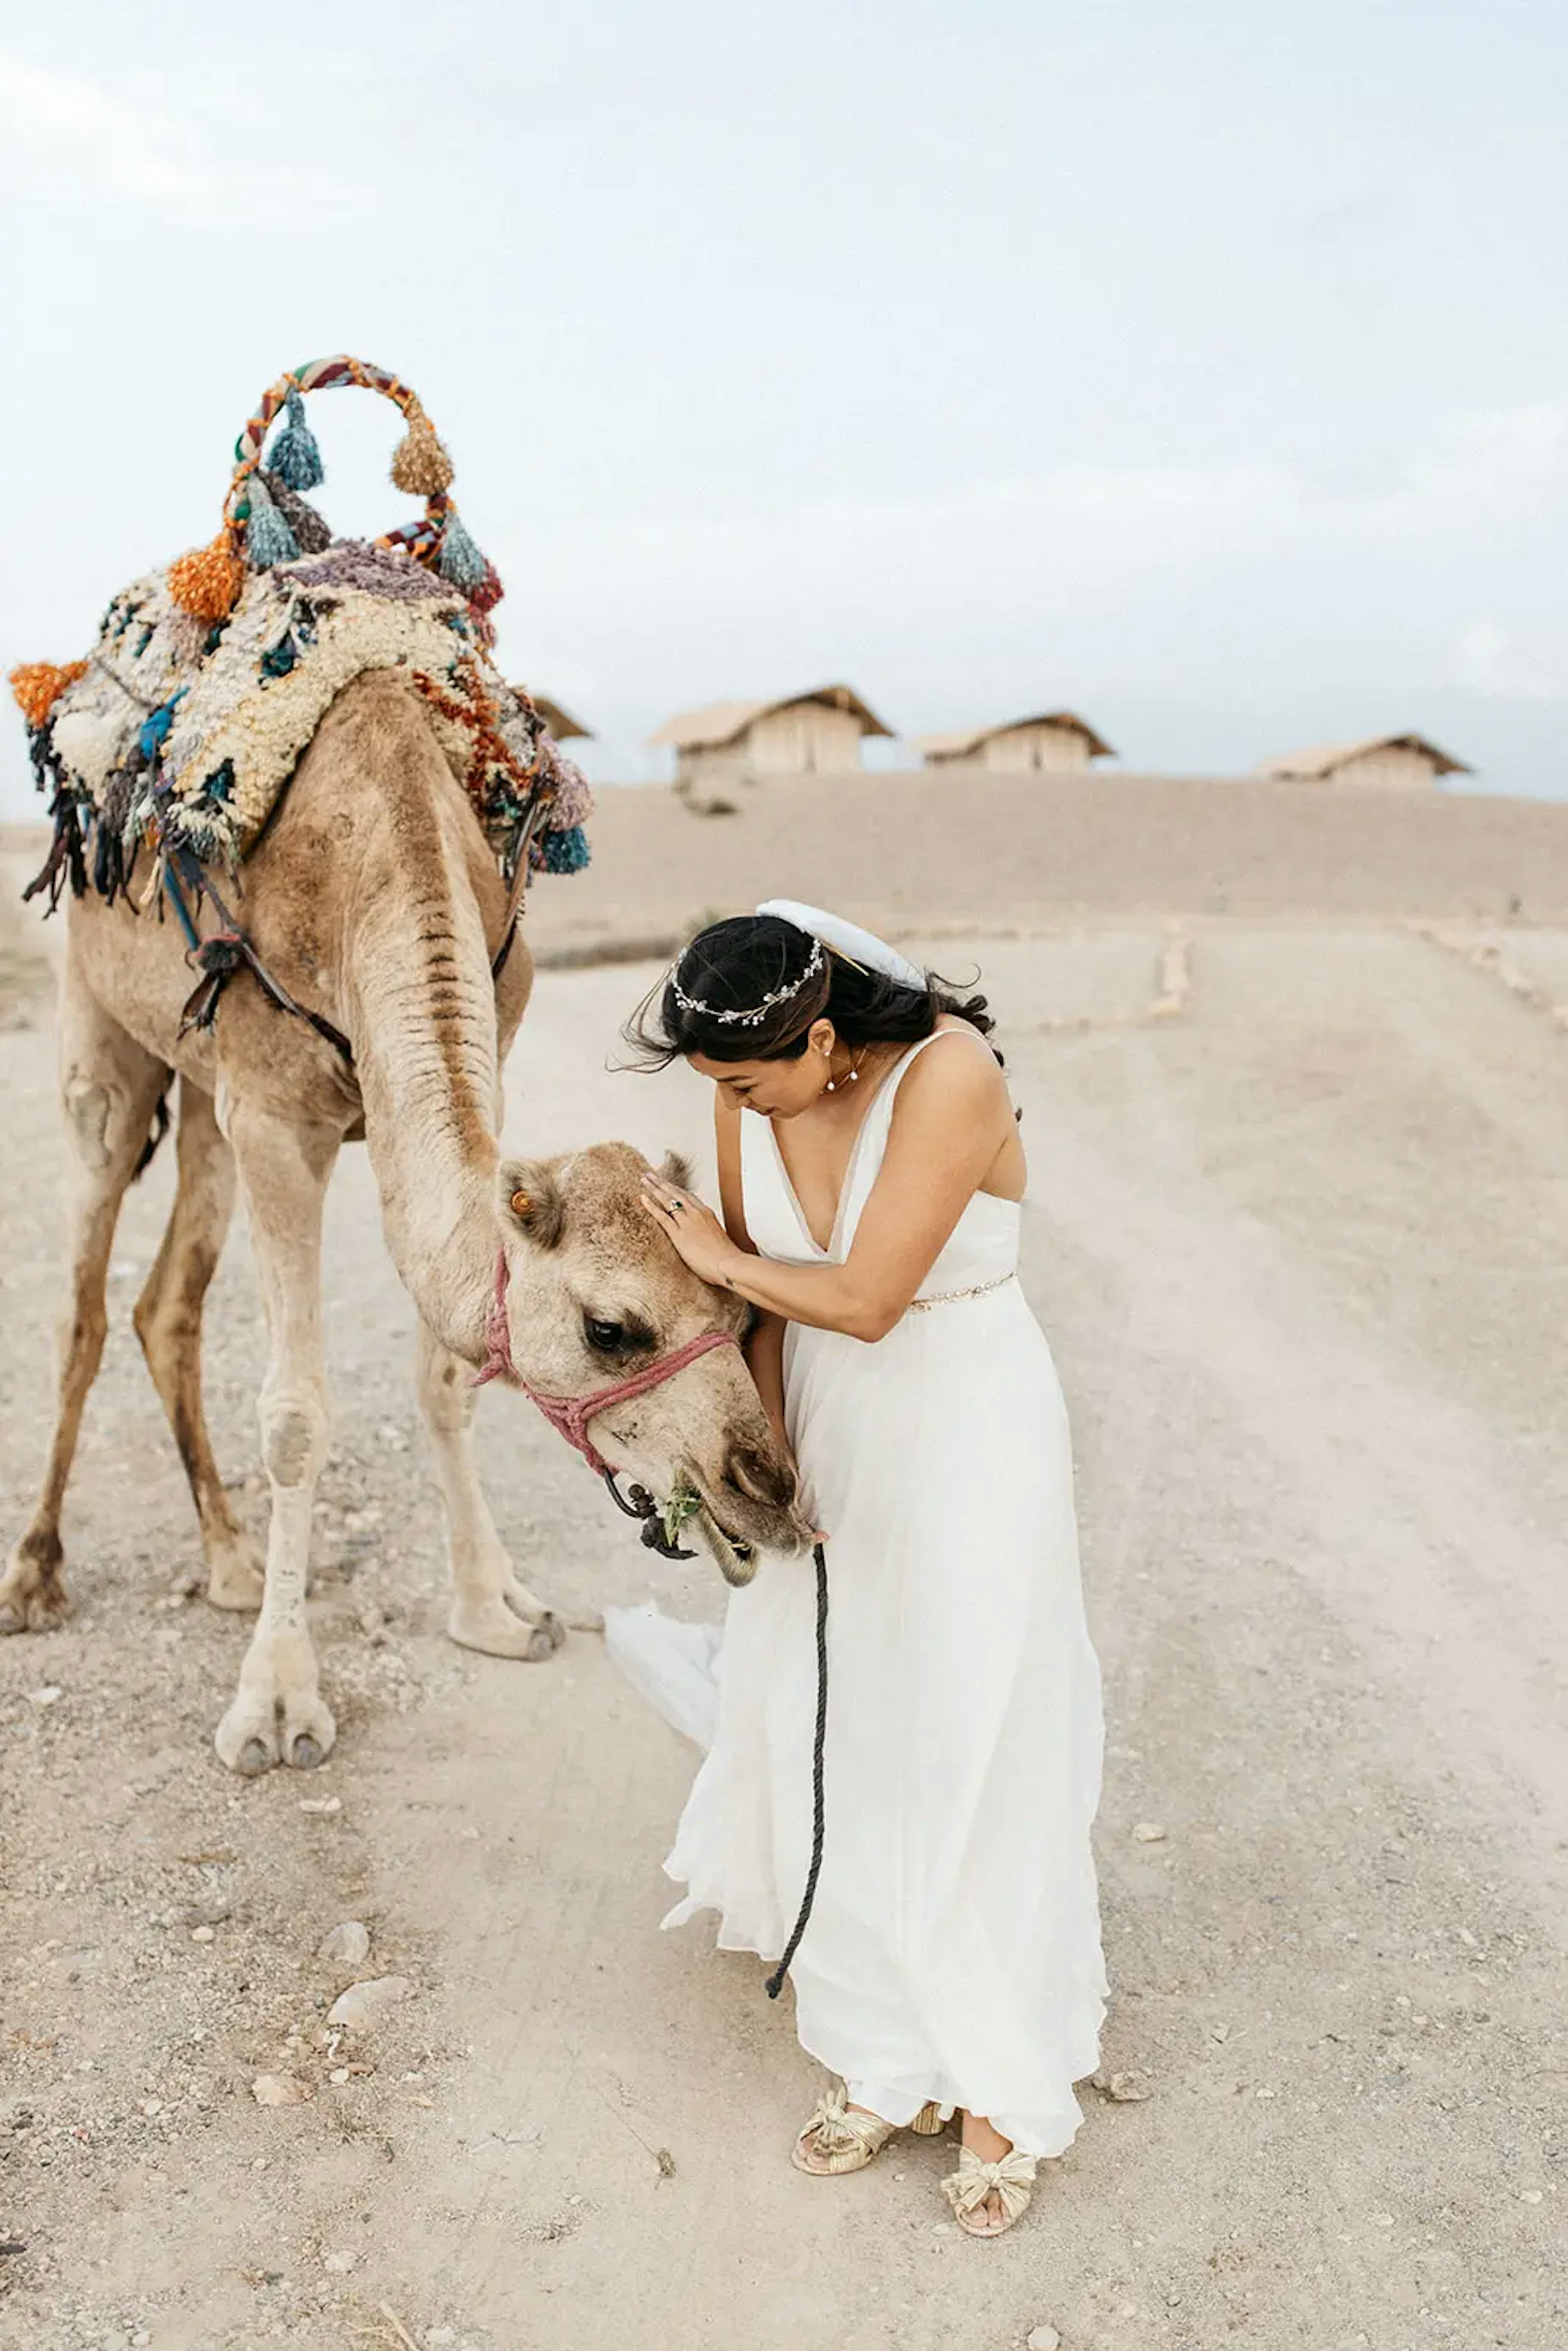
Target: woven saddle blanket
(183,733)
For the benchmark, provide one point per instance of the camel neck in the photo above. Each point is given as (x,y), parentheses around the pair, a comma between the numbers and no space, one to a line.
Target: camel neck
(424,1034)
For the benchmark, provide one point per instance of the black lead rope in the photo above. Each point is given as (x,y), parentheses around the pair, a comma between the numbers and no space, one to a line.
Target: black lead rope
(775,1980)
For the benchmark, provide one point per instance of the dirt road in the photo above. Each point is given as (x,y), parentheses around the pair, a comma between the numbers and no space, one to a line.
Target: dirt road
(1299,1247)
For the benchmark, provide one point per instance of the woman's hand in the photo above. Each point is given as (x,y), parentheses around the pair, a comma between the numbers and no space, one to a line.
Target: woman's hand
(695,1231)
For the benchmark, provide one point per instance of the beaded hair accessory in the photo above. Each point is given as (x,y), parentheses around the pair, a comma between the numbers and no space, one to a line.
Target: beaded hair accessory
(748,1016)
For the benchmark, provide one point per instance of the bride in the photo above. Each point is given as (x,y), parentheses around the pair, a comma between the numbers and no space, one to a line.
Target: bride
(872,1207)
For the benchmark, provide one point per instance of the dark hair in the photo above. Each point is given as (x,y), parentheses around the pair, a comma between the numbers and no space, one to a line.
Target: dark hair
(734,965)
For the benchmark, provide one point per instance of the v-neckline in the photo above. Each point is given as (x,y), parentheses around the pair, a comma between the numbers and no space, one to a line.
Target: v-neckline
(850,1165)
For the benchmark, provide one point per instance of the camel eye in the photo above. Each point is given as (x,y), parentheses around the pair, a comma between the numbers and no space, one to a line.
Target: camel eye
(605,1338)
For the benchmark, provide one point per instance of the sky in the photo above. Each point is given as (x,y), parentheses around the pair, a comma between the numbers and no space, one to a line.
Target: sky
(1201,367)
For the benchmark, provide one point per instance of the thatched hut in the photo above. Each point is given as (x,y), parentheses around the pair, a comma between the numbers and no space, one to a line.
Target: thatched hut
(1400,762)
(559,720)
(803,735)
(1053,739)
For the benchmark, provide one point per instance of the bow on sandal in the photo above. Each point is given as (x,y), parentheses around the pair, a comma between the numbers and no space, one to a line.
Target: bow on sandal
(1012,2180)
(843,2139)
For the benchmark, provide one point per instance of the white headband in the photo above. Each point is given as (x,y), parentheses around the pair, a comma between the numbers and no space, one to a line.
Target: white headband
(847,939)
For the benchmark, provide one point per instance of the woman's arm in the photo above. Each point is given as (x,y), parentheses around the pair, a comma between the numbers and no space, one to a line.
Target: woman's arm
(950,1119)
(765,1345)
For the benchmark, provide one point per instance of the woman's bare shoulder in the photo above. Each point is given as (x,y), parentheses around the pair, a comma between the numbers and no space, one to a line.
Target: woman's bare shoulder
(973,1075)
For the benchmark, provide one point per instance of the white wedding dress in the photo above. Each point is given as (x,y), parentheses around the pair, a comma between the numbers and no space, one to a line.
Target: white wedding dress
(953,1952)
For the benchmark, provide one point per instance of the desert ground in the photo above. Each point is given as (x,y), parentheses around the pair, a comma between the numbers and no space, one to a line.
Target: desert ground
(1294,1071)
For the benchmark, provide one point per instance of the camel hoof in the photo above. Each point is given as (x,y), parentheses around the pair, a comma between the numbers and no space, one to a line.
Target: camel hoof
(496,1631)
(277,1714)
(235,1580)
(32,1597)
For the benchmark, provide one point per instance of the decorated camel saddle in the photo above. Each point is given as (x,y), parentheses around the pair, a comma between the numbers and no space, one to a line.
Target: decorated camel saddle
(179,731)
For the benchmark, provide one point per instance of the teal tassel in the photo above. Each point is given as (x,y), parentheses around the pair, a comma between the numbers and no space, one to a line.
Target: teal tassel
(566,852)
(268,537)
(296,459)
(461,561)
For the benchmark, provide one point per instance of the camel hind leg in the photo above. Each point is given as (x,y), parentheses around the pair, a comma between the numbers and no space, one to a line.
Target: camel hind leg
(109,1091)
(168,1325)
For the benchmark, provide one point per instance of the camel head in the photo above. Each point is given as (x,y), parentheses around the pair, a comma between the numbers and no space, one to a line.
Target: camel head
(595,1292)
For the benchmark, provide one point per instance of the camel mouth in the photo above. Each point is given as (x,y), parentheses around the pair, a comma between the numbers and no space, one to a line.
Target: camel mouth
(734,1558)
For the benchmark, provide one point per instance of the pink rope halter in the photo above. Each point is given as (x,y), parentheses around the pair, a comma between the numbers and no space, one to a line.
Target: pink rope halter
(572,1415)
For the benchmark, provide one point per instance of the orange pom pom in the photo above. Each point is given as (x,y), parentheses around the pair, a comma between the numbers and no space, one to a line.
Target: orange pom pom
(206,583)
(419,464)
(38,685)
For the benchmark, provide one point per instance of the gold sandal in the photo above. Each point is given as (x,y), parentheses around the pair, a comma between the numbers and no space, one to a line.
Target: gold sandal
(1012,2180)
(845,2138)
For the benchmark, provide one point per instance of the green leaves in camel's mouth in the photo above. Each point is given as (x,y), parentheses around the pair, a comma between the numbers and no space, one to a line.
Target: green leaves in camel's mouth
(682,1505)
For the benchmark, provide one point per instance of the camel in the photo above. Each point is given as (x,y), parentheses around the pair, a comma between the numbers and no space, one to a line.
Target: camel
(372,897)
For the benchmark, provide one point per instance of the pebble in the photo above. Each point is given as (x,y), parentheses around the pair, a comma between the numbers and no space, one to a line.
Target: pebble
(346,1946)
(1044,2338)
(202,1935)
(47,1696)
(1383,2220)
(364,2005)
(1219,2033)
(1529,2195)
(1148,1833)
(340,2264)
(1125,2088)
(338,2077)
(320,1803)
(437,2338)
(279,2090)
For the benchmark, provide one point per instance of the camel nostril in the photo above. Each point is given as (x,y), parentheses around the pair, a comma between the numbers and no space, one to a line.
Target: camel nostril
(760,1479)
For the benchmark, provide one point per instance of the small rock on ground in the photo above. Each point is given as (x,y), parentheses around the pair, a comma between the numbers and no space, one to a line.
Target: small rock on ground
(346,1946)
(279,2090)
(364,2005)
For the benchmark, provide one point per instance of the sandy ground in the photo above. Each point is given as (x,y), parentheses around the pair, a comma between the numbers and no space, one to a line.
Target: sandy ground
(1298,1241)
(1004,850)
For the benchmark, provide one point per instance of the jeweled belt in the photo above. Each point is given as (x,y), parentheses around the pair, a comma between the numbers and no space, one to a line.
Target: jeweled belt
(952,1297)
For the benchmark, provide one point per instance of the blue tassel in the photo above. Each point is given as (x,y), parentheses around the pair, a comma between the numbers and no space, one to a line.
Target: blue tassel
(296,459)
(566,852)
(268,537)
(461,561)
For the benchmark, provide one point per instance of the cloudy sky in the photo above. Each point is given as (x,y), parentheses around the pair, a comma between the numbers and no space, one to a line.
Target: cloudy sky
(1201,365)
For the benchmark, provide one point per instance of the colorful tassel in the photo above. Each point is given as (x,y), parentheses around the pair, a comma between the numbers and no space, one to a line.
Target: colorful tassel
(487,592)
(460,560)
(38,685)
(206,583)
(419,464)
(312,535)
(564,852)
(268,537)
(295,458)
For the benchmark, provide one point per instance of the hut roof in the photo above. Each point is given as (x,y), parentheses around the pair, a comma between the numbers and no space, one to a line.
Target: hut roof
(559,720)
(966,740)
(1321,762)
(718,723)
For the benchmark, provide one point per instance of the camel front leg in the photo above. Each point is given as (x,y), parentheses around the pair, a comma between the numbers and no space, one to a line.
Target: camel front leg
(490,1609)
(278,1713)
(168,1325)
(109,1089)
